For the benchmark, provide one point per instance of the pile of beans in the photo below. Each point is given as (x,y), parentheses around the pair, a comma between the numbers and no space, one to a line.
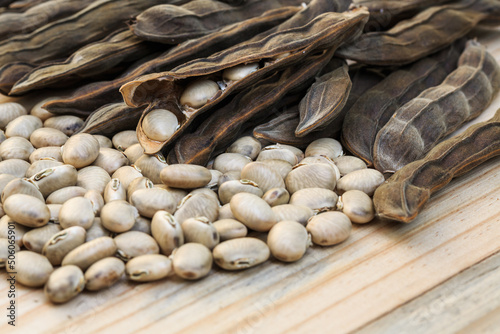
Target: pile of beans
(81,210)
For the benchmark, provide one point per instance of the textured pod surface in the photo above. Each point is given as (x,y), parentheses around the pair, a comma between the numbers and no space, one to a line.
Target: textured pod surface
(240,253)
(192,261)
(64,284)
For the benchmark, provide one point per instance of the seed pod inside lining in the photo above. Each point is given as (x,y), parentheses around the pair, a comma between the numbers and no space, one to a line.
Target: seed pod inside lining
(185,176)
(27,210)
(230,229)
(147,268)
(64,284)
(160,124)
(32,269)
(329,228)
(192,261)
(288,241)
(80,150)
(167,231)
(357,205)
(253,211)
(240,253)
(200,230)
(104,273)
(63,242)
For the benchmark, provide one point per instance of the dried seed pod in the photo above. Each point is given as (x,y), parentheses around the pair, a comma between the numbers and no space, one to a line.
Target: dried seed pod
(67,124)
(226,162)
(27,210)
(124,139)
(16,148)
(5,248)
(126,174)
(240,253)
(151,166)
(167,231)
(253,211)
(192,261)
(20,186)
(77,211)
(265,177)
(310,176)
(118,216)
(80,150)
(357,205)
(185,176)
(288,241)
(90,252)
(10,111)
(366,180)
(149,267)
(148,201)
(276,196)
(44,137)
(197,205)
(7,224)
(93,178)
(35,239)
(52,179)
(31,269)
(64,284)
(230,188)
(317,199)
(15,167)
(63,242)
(133,243)
(200,230)
(293,212)
(160,124)
(348,163)
(133,152)
(60,196)
(247,146)
(225,212)
(104,273)
(114,191)
(329,228)
(39,165)
(110,160)
(230,229)
(50,152)
(23,126)
(327,147)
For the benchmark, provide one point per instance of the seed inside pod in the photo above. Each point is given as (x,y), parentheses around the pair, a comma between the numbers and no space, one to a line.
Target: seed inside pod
(239,71)
(160,124)
(198,93)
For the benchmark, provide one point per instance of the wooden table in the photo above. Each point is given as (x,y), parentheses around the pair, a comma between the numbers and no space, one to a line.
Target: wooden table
(439,274)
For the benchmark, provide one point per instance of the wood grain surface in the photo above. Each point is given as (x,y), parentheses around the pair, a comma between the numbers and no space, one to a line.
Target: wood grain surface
(439,274)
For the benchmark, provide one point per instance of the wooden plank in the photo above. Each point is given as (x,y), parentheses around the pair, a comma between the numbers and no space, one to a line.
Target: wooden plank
(468,303)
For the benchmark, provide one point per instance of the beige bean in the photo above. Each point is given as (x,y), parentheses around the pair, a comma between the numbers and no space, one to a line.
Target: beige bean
(54,212)
(320,159)
(32,269)
(64,284)
(288,241)
(127,174)
(265,177)
(23,126)
(8,226)
(232,175)
(225,212)
(148,201)
(35,239)
(147,268)
(197,205)
(63,242)
(77,211)
(10,111)
(16,167)
(5,179)
(240,253)
(48,137)
(160,124)
(51,152)
(110,159)
(104,273)
(95,199)
(253,211)
(349,163)
(60,196)
(239,72)
(97,231)
(142,224)
(185,176)
(104,141)
(80,150)
(328,147)
(124,139)
(226,162)
(151,166)
(276,196)
(200,230)
(93,178)
(366,180)
(20,186)
(16,148)
(90,252)
(139,183)
(7,248)
(40,112)
(52,179)
(317,199)
(67,124)
(293,212)
(114,190)
(192,261)
(134,152)
(39,165)
(230,188)
(133,243)
(247,146)
(230,229)
(310,176)
(27,210)
(198,93)
(357,205)
(167,231)
(282,167)
(118,216)
(329,228)
(277,152)
(214,181)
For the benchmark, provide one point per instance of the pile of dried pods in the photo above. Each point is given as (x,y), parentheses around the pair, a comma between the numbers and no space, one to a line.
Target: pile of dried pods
(180,86)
